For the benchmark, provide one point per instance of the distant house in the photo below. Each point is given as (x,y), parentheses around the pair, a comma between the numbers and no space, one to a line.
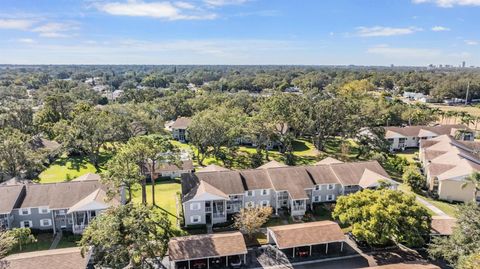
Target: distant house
(209,196)
(447,162)
(55,206)
(171,170)
(179,129)
(401,138)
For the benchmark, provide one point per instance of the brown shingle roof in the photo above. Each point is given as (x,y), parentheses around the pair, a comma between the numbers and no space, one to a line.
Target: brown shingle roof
(171,167)
(322,174)
(406,266)
(207,245)
(351,173)
(59,195)
(9,197)
(328,160)
(415,130)
(272,164)
(212,168)
(292,179)
(65,258)
(181,123)
(443,225)
(256,179)
(306,234)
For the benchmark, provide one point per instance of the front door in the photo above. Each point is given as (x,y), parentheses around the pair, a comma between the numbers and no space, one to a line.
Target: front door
(208,218)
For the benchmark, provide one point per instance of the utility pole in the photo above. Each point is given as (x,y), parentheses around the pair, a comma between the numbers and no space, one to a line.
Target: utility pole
(466,96)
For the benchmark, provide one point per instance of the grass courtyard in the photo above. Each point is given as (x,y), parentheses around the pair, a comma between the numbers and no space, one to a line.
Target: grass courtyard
(165,195)
(66,168)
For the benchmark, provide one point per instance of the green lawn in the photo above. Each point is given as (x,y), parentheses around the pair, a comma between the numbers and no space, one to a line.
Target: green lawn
(44,241)
(66,168)
(449,208)
(165,194)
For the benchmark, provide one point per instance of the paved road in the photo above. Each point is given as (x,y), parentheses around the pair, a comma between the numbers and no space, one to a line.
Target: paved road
(350,263)
(435,209)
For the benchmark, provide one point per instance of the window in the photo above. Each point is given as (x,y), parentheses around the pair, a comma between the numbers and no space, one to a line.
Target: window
(195,206)
(249,204)
(24,211)
(265,203)
(45,222)
(250,193)
(316,198)
(330,197)
(195,219)
(61,212)
(43,210)
(265,192)
(26,224)
(229,207)
(318,187)
(70,221)
(331,186)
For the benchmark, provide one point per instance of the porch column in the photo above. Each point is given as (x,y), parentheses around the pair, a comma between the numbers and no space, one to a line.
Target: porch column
(226,261)
(188,264)
(326,249)
(53,223)
(293,252)
(310,253)
(208,263)
(245,259)
(341,247)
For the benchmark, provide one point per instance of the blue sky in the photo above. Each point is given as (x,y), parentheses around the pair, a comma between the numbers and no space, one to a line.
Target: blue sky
(319,32)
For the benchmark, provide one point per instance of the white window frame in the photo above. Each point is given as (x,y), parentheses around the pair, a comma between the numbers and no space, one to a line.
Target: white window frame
(318,187)
(195,206)
(29,211)
(46,225)
(330,186)
(317,198)
(192,219)
(40,210)
(250,192)
(330,197)
(250,204)
(22,224)
(265,203)
(265,192)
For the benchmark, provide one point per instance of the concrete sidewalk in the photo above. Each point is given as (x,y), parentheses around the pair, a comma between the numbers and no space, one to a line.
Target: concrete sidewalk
(435,209)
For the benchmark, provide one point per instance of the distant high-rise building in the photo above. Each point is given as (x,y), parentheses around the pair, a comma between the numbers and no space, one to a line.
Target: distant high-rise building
(463,64)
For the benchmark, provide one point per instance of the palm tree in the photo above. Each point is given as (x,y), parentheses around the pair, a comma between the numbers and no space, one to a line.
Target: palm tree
(474,179)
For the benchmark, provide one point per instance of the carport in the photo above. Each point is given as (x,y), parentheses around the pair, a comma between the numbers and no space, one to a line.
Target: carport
(303,239)
(207,251)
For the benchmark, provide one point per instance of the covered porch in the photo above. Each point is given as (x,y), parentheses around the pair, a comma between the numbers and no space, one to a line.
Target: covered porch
(307,239)
(222,250)
(6,220)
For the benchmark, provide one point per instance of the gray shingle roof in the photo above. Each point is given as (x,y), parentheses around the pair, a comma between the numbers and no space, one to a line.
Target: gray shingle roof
(9,197)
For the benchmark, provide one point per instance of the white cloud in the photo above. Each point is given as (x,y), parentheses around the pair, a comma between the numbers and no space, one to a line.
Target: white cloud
(15,24)
(404,53)
(385,31)
(26,40)
(471,42)
(55,29)
(218,3)
(449,3)
(440,29)
(161,10)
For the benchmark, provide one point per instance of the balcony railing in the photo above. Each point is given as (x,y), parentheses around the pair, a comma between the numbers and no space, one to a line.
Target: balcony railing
(78,228)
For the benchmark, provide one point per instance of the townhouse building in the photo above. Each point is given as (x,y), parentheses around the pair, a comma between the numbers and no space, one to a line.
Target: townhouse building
(208,197)
(447,162)
(401,138)
(66,206)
